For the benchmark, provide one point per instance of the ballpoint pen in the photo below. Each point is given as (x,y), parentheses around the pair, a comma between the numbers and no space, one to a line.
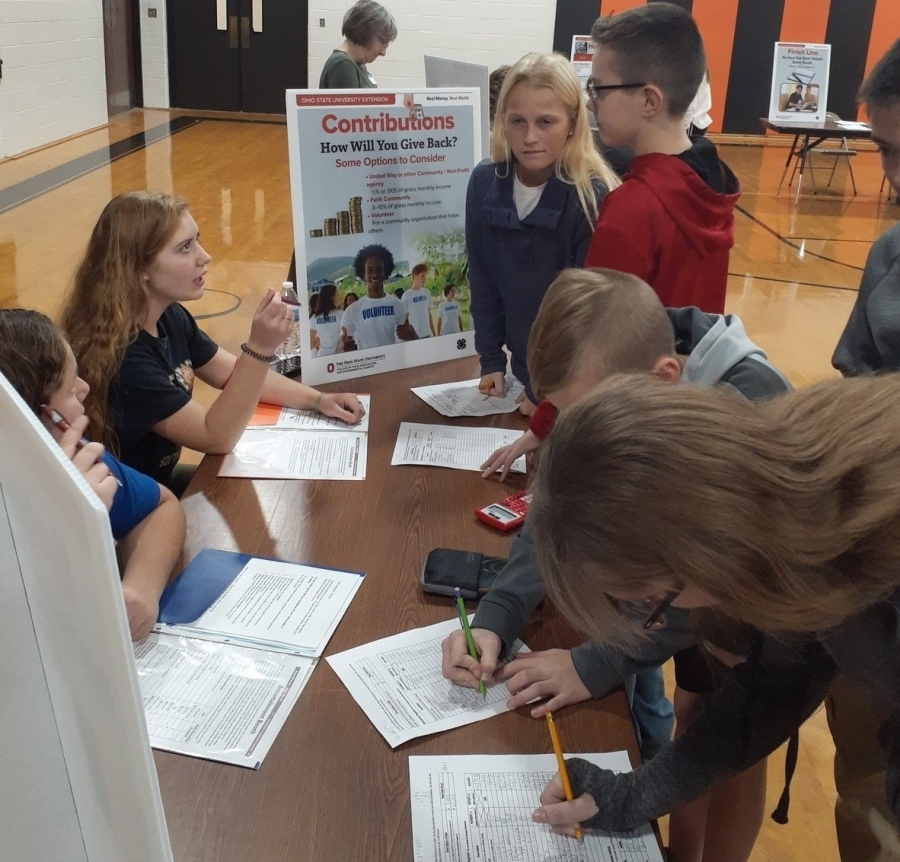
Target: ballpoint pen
(561,764)
(470,641)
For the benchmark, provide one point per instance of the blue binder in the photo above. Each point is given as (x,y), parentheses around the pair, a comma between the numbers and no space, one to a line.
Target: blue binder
(203,580)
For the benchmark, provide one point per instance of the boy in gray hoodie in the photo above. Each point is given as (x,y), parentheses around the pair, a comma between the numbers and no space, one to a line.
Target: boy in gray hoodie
(591,324)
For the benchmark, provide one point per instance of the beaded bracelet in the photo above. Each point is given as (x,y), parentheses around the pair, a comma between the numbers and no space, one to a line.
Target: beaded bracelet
(260,356)
(317,402)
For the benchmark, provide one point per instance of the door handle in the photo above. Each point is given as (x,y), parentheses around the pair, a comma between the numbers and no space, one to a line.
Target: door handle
(256,6)
(232,31)
(245,32)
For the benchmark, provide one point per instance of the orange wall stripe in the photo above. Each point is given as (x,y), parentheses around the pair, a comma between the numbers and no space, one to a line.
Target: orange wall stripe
(717,20)
(885,30)
(804,21)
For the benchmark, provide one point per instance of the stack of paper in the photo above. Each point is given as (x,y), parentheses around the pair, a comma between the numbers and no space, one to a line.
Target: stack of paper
(479,807)
(398,683)
(238,638)
(464,399)
(282,443)
(449,446)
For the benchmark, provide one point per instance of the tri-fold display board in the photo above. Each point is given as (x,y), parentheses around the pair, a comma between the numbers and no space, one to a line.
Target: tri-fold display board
(78,781)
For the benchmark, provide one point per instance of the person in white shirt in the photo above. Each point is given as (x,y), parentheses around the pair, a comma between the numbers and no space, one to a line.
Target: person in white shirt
(448,313)
(375,320)
(325,323)
(418,303)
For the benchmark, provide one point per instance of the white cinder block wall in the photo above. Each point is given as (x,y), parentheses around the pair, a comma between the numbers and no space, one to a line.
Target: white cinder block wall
(476,31)
(54,76)
(154,54)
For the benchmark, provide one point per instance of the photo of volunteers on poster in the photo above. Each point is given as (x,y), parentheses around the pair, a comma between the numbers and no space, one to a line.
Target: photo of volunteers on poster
(581,57)
(799,83)
(378,193)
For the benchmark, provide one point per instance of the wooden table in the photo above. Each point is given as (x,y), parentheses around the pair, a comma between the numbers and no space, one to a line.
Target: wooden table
(813,135)
(331,788)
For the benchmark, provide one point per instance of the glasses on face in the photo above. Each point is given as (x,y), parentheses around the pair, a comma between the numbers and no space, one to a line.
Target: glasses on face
(647,613)
(593,90)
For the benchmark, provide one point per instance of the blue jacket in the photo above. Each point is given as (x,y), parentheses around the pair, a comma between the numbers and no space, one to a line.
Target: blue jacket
(512,263)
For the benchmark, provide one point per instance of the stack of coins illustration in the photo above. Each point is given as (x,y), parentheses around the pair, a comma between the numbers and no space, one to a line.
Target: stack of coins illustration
(356,216)
(331,227)
(316,232)
(343,221)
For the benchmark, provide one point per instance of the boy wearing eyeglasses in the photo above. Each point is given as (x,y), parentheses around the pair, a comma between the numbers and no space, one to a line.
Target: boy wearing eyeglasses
(671,222)
(593,323)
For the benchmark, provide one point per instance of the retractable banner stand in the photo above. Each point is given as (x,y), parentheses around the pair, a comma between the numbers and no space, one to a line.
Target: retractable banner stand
(378,186)
(78,781)
(799,83)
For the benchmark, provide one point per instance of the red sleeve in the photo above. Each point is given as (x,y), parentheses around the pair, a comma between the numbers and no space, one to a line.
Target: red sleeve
(543,419)
(622,239)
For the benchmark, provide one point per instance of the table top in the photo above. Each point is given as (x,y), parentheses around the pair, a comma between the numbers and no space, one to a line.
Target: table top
(331,788)
(827,129)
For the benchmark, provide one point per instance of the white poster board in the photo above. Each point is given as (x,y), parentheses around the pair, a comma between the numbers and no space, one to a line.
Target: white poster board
(386,169)
(581,57)
(78,779)
(799,91)
(442,72)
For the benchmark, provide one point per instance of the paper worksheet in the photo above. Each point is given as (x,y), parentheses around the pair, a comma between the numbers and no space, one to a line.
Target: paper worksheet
(853,126)
(216,701)
(398,683)
(464,399)
(272,416)
(449,446)
(277,606)
(266,453)
(479,807)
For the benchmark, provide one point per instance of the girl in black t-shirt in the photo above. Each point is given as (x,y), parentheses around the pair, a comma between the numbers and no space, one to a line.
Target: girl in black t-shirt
(140,350)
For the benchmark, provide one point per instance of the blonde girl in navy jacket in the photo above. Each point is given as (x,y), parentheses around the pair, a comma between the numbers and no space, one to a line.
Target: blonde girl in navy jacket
(530,210)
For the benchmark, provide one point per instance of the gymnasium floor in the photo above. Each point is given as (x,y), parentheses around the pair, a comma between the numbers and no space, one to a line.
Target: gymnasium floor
(793,279)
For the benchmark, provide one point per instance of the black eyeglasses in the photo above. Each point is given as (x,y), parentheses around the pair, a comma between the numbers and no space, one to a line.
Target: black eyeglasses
(593,89)
(648,613)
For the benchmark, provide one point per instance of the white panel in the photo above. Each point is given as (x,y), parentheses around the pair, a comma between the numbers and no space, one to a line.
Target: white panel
(66,558)
(257,16)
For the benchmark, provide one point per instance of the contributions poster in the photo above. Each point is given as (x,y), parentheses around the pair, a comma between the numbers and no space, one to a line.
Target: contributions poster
(799,83)
(378,190)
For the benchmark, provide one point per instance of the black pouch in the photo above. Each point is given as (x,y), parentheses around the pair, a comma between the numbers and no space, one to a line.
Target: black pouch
(446,569)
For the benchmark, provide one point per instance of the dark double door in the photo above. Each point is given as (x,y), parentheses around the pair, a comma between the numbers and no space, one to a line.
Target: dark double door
(236,55)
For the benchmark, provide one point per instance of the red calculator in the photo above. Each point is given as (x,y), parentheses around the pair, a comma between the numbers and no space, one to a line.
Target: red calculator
(507,514)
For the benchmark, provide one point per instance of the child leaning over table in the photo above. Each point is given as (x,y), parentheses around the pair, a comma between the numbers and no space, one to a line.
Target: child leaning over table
(146,519)
(592,324)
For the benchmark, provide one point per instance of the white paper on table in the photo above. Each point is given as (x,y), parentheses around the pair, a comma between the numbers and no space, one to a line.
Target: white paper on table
(479,807)
(264,453)
(398,683)
(464,399)
(449,446)
(853,126)
(286,607)
(216,701)
(311,420)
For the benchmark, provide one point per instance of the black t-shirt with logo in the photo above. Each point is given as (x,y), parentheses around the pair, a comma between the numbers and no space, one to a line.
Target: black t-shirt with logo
(155,381)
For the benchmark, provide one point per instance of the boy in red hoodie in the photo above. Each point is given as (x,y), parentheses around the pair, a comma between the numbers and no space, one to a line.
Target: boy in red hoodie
(671,222)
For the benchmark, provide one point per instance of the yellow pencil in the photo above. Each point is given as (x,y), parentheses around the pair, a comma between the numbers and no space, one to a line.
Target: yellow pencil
(561,763)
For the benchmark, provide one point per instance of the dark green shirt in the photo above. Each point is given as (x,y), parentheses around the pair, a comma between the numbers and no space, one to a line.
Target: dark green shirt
(341,72)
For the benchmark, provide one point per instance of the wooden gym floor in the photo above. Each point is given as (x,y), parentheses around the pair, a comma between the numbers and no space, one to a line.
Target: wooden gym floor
(793,278)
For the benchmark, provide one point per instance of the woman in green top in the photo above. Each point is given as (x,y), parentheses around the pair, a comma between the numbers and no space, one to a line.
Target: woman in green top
(368,29)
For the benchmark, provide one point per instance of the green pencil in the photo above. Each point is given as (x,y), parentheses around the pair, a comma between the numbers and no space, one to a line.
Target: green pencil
(470,641)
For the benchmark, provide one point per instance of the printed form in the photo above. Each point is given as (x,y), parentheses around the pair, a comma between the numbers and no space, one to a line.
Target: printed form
(472,807)
(273,453)
(216,701)
(449,446)
(277,606)
(273,416)
(464,399)
(398,683)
